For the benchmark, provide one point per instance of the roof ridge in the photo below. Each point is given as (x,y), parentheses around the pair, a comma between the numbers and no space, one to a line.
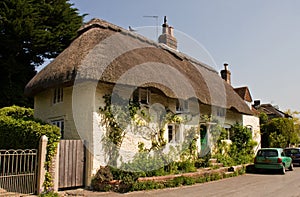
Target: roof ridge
(96,22)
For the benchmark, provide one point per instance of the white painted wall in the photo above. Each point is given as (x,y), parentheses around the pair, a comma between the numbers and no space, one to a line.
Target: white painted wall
(253,122)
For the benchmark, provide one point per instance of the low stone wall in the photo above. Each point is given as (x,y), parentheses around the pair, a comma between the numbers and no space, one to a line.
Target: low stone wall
(200,173)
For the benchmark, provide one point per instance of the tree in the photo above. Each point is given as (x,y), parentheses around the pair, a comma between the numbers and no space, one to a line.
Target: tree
(279,132)
(30,32)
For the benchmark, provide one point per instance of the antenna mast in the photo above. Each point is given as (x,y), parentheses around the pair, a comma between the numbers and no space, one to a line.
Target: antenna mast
(155,17)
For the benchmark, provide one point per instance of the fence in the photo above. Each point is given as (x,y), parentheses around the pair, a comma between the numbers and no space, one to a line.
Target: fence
(18,171)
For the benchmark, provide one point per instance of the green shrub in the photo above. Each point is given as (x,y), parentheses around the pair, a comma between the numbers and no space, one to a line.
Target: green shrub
(49,194)
(20,130)
(203,162)
(186,166)
(241,149)
(17,112)
(147,185)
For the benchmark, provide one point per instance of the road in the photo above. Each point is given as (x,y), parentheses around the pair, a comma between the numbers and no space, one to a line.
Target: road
(266,185)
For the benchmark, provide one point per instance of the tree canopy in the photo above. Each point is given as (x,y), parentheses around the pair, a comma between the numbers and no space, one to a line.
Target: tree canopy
(278,132)
(30,32)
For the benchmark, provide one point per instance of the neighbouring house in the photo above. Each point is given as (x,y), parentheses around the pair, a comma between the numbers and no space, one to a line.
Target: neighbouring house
(106,59)
(250,121)
(270,110)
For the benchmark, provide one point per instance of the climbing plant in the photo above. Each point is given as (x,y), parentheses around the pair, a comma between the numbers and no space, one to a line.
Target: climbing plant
(240,150)
(120,116)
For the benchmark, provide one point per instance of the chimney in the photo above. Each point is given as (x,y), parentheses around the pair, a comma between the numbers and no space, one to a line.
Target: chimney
(225,74)
(256,103)
(167,36)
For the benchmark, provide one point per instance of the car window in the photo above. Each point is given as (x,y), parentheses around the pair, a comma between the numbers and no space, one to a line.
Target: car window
(294,151)
(267,153)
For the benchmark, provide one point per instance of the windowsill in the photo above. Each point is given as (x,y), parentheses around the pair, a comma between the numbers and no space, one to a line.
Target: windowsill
(181,112)
(227,141)
(57,103)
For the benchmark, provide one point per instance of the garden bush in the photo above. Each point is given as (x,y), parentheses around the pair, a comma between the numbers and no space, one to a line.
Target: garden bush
(20,130)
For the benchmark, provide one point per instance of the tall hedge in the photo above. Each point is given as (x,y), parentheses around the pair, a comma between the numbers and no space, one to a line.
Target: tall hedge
(20,130)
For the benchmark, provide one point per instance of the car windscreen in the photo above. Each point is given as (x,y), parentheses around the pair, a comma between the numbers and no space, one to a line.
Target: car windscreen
(267,153)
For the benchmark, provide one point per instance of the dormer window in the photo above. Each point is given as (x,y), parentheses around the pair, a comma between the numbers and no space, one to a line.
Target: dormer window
(58,95)
(221,112)
(142,95)
(182,106)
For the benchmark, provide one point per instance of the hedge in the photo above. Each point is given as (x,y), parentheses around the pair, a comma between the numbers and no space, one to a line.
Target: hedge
(20,130)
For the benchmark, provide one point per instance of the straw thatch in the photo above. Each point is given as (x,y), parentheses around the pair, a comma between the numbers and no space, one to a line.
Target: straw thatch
(105,52)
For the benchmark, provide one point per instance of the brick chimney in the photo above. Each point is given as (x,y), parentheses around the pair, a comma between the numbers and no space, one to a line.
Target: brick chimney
(225,74)
(167,36)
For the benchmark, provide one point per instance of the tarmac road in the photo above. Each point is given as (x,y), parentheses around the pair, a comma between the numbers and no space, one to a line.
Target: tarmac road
(266,185)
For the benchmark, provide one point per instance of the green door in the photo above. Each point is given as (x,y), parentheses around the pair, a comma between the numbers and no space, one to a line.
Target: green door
(203,140)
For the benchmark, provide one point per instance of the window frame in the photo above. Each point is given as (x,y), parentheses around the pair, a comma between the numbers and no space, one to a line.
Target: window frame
(60,123)
(58,95)
(139,93)
(175,133)
(182,106)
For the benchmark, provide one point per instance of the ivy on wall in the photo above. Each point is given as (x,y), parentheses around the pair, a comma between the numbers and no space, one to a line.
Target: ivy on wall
(122,115)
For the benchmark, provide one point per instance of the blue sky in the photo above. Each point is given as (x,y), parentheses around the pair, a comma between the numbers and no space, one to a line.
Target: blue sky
(259,39)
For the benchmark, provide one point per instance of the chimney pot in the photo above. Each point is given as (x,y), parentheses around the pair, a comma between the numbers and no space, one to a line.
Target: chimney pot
(256,103)
(226,74)
(167,36)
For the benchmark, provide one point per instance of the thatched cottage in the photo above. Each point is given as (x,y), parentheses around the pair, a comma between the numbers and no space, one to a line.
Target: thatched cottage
(108,60)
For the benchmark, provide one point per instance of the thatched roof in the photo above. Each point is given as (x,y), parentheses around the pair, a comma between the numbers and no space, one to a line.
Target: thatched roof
(105,52)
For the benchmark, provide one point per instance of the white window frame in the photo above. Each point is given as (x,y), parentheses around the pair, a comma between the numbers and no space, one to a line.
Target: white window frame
(174,131)
(58,95)
(140,93)
(228,129)
(182,105)
(144,92)
(60,123)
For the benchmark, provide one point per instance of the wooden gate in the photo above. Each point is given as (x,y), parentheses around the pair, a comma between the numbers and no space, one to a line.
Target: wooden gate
(71,164)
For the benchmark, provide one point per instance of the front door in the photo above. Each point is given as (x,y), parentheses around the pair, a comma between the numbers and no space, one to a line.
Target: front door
(203,140)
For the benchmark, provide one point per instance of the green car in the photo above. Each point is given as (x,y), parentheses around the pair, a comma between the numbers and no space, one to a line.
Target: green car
(273,159)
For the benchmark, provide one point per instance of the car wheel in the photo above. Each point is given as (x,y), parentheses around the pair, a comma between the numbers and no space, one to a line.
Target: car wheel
(291,168)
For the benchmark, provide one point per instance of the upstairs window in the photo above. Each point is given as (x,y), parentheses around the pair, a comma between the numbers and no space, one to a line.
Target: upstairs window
(142,95)
(221,112)
(58,95)
(61,125)
(182,106)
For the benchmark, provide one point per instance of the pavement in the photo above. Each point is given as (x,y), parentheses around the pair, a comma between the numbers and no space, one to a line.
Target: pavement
(84,192)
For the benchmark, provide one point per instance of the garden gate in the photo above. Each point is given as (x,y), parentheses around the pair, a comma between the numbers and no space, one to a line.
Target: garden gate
(71,164)
(18,171)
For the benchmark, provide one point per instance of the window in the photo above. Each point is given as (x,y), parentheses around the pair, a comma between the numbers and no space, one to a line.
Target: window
(267,153)
(58,95)
(182,105)
(229,131)
(142,95)
(173,135)
(221,112)
(61,125)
